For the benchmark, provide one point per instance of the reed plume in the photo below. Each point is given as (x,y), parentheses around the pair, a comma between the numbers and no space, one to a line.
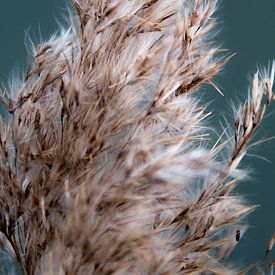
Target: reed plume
(105,161)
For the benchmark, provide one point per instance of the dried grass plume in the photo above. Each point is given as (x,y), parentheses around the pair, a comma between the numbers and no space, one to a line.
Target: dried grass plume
(105,162)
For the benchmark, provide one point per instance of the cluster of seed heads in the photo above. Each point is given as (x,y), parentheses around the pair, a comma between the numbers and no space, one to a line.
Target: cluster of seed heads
(105,162)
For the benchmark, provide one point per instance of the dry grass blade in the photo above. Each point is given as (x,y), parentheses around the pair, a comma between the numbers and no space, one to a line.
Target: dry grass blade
(270,244)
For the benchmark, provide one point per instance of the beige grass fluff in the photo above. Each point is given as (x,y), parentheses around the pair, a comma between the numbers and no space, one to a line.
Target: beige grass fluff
(105,162)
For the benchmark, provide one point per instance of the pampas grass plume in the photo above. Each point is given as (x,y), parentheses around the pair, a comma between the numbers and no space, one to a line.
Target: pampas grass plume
(105,161)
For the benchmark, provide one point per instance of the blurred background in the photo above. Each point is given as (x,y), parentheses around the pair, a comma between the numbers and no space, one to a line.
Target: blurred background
(247,28)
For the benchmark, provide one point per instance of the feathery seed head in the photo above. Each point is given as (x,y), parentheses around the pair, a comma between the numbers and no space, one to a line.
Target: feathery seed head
(102,167)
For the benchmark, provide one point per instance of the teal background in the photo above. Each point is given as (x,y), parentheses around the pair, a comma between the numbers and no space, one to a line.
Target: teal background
(247,27)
